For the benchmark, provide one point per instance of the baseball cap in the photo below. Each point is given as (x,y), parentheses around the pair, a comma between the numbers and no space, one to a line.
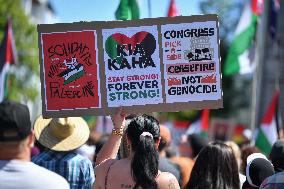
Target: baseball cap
(15,123)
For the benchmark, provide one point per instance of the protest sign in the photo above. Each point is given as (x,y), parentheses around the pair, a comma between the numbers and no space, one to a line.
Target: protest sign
(147,65)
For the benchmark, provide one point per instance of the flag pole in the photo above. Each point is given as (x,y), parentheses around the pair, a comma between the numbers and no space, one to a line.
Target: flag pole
(277,58)
(280,58)
(257,86)
(149,9)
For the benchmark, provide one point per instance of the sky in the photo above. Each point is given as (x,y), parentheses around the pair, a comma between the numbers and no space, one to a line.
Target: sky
(103,10)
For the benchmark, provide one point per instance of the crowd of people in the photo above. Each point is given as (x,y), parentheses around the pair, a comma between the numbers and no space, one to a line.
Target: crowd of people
(138,153)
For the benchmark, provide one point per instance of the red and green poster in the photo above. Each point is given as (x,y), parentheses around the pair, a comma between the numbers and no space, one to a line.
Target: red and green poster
(70,70)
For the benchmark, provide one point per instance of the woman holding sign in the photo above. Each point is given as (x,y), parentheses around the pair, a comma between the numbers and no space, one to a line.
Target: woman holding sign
(140,170)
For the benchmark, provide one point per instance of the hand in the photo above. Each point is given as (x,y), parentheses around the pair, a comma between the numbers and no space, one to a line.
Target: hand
(118,119)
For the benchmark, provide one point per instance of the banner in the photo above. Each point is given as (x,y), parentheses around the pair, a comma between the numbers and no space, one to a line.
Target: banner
(147,65)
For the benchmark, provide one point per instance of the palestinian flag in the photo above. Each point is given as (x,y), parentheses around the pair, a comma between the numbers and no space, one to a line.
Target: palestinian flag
(173,11)
(267,133)
(200,126)
(239,58)
(8,55)
(127,10)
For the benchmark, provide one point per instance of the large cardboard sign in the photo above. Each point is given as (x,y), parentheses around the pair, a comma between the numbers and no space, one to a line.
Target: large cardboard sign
(147,65)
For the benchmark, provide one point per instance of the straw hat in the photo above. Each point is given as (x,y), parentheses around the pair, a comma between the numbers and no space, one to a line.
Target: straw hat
(61,134)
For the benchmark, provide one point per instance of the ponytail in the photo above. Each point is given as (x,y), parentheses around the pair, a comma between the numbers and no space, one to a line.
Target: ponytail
(143,131)
(145,163)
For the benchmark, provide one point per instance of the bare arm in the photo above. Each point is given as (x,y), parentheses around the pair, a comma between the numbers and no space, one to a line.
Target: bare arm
(110,148)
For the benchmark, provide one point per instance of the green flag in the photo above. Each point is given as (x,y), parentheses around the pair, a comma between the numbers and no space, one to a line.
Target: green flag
(127,10)
(238,59)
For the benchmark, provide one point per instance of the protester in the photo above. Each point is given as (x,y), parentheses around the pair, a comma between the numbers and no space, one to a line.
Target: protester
(140,170)
(186,165)
(237,154)
(258,168)
(277,155)
(215,168)
(165,164)
(61,137)
(16,141)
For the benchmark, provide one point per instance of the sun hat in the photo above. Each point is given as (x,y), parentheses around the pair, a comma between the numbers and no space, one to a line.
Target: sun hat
(15,124)
(61,134)
(258,168)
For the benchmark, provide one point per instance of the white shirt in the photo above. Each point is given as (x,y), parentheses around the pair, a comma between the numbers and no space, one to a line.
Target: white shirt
(242,179)
(15,174)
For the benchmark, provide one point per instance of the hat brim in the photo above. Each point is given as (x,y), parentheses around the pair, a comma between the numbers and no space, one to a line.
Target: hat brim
(78,137)
(253,156)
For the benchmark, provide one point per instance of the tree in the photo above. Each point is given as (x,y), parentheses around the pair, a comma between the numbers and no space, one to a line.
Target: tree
(23,77)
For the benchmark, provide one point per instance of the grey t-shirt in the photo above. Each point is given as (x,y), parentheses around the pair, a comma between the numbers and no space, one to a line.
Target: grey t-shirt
(15,174)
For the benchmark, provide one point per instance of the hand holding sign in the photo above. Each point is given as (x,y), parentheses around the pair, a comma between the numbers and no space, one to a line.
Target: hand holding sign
(118,119)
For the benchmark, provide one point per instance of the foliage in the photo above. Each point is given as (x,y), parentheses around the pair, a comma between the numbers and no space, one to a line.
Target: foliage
(23,76)
(229,13)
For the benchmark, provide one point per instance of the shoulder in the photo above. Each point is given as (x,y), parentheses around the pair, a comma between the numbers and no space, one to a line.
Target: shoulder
(104,165)
(167,180)
(276,180)
(79,158)
(101,172)
(45,176)
(40,157)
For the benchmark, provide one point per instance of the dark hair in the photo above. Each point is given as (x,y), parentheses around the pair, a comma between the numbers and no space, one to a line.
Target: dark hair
(277,155)
(215,168)
(163,144)
(197,143)
(144,165)
(245,152)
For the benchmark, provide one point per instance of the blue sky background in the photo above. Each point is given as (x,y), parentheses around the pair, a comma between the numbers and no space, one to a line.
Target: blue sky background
(100,10)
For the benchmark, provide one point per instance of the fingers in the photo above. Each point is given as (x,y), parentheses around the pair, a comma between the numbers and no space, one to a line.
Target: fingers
(121,112)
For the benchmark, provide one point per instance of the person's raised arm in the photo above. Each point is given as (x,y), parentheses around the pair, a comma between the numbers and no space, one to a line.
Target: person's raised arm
(110,148)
